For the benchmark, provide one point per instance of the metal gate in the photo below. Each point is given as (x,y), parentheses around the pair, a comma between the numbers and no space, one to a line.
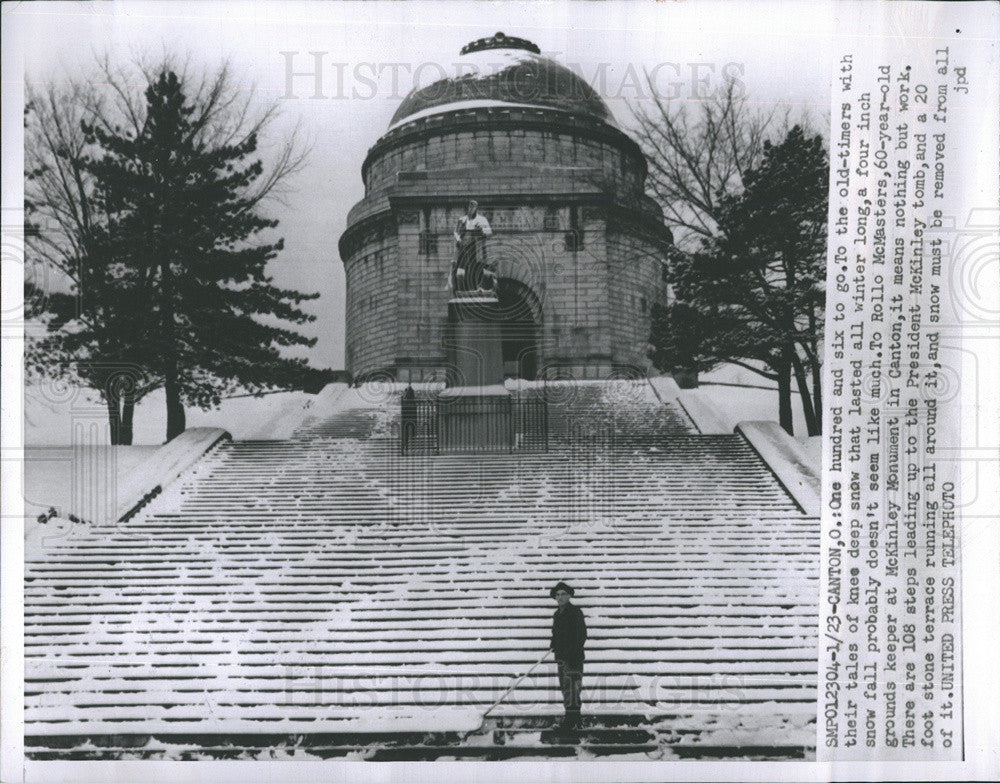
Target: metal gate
(469,424)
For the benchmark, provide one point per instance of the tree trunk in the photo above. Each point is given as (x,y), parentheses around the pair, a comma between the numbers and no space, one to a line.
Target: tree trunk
(175,408)
(807,406)
(816,369)
(785,397)
(128,413)
(817,377)
(114,419)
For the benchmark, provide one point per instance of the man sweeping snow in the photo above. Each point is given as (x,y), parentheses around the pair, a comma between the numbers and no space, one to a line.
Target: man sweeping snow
(569,632)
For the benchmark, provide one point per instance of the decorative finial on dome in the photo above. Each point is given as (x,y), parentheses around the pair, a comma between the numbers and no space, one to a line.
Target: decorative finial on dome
(500,41)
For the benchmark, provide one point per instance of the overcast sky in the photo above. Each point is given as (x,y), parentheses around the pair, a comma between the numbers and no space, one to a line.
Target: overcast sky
(781,51)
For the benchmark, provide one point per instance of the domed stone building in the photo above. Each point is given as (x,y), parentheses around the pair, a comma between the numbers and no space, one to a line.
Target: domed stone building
(577,247)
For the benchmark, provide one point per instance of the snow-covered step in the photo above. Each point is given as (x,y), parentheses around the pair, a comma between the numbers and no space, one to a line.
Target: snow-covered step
(330,552)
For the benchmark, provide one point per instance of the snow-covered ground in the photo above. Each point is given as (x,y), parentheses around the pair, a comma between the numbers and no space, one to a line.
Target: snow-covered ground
(735,394)
(76,480)
(78,416)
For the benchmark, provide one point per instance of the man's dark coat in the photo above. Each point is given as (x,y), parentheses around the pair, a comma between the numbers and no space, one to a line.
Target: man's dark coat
(569,632)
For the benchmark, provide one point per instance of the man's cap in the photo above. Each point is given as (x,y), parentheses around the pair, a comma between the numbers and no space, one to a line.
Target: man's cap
(561,586)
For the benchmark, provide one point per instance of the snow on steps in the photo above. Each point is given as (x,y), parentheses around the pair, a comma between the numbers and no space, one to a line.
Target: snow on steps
(408,737)
(170,461)
(99,492)
(790,460)
(295,413)
(317,585)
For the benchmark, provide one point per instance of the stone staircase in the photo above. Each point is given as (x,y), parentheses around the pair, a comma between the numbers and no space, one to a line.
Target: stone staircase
(323,596)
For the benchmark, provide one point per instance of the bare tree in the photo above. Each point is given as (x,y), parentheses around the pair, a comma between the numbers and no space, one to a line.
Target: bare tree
(698,153)
(699,157)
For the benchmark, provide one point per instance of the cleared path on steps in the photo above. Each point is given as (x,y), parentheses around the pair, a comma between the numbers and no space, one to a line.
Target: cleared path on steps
(325,586)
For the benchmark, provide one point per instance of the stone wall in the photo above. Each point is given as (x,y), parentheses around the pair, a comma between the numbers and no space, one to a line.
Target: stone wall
(636,283)
(422,291)
(497,147)
(372,325)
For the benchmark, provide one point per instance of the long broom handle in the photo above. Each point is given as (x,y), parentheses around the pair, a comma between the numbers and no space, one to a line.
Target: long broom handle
(514,685)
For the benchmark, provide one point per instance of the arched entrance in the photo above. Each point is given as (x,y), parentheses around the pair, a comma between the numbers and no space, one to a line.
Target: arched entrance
(520,319)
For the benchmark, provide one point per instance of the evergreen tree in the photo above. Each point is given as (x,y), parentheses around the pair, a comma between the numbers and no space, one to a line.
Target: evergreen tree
(183,241)
(753,294)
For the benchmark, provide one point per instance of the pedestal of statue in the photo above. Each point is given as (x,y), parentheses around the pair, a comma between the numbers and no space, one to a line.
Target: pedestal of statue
(474,341)
(474,412)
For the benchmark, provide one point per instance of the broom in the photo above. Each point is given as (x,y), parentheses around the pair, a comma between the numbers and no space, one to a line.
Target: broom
(506,693)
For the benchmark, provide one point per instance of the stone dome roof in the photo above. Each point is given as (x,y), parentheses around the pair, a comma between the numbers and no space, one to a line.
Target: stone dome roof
(503,71)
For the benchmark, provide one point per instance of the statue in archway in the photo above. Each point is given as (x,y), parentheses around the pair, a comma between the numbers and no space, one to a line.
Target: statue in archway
(471,272)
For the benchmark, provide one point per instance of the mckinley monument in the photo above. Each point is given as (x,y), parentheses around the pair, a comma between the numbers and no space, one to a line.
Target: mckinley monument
(576,247)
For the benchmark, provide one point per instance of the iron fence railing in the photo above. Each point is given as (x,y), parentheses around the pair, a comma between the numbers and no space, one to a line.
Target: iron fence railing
(468,423)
